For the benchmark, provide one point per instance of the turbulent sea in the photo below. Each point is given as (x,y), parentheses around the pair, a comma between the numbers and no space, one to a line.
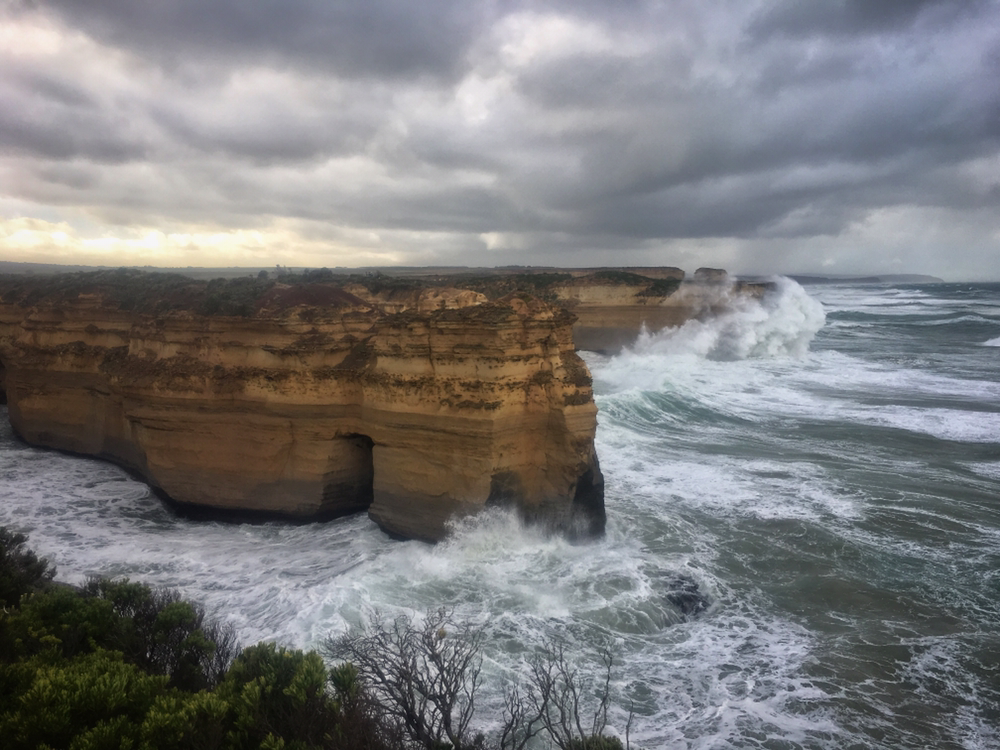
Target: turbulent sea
(824,467)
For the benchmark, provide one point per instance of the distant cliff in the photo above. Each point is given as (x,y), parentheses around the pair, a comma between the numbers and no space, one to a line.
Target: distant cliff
(306,400)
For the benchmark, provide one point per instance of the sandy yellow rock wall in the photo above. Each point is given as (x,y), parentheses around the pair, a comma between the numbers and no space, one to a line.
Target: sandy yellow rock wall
(436,407)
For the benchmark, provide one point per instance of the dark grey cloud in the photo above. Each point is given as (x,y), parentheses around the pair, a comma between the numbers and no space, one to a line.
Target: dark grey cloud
(547,127)
(57,129)
(852,17)
(374,38)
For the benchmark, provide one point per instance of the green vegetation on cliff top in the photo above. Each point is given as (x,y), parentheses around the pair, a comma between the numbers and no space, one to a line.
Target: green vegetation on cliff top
(155,293)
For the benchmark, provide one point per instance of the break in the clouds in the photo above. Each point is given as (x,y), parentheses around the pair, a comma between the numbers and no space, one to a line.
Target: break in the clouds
(783,136)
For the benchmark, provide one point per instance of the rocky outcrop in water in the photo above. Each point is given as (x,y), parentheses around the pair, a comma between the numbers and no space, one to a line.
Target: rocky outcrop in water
(309,399)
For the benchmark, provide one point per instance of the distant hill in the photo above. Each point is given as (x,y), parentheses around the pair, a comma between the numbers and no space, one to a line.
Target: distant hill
(418,271)
(891,278)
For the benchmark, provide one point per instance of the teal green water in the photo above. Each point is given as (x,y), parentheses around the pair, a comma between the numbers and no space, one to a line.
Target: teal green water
(825,467)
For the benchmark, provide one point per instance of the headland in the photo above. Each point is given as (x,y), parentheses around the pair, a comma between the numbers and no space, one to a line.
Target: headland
(417,398)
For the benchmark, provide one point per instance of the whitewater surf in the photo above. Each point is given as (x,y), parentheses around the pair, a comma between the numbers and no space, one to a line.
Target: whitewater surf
(803,545)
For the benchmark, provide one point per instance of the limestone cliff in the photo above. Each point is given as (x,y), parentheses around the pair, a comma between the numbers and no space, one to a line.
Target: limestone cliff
(311,399)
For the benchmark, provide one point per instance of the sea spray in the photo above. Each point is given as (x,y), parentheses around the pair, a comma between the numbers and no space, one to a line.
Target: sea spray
(781,323)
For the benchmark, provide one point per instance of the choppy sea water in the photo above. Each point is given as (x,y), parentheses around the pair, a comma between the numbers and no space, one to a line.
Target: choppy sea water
(825,466)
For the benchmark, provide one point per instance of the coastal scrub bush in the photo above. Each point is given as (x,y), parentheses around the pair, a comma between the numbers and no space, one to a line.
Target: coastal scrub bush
(620,277)
(236,297)
(661,288)
(21,571)
(165,635)
(117,664)
(496,286)
(93,701)
(56,623)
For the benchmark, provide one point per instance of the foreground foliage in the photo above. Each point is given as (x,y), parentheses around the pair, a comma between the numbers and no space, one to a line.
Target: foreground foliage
(117,664)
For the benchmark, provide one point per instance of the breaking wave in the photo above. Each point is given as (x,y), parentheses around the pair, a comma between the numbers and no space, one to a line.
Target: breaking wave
(782,323)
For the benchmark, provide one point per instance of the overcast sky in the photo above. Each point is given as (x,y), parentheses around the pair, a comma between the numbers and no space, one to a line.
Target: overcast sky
(836,136)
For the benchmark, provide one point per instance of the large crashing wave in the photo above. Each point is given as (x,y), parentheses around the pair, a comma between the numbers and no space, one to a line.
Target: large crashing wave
(782,323)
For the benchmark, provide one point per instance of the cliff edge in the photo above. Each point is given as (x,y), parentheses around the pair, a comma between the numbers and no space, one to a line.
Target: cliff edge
(309,399)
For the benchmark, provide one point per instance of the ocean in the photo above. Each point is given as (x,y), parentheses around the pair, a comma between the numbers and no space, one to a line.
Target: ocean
(803,546)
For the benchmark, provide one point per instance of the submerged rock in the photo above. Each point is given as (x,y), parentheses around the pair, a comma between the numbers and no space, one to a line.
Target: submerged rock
(684,594)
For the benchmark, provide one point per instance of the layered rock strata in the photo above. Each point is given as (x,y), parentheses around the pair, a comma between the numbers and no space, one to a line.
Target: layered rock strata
(317,402)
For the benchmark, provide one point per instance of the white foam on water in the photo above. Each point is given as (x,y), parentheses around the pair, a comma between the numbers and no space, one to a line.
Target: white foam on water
(731,676)
(944,424)
(782,323)
(825,386)
(937,670)
(959,319)
(300,584)
(882,302)
(731,486)
(992,342)
(989,469)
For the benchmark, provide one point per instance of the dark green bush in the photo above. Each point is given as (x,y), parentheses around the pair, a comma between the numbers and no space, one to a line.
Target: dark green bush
(661,288)
(234,297)
(93,701)
(21,571)
(165,635)
(621,277)
(277,693)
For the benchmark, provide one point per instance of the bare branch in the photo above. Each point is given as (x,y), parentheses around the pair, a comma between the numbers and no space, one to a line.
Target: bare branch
(557,696)
(425,676)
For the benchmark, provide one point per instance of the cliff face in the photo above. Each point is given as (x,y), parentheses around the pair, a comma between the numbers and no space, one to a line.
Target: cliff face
(322,402)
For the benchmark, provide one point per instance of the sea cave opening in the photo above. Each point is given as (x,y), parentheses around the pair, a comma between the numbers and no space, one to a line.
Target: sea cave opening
(349,482)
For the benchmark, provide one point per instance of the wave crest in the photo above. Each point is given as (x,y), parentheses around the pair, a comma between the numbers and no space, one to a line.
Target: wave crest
(782,323)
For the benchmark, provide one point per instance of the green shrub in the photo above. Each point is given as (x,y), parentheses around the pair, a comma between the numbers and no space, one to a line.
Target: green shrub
(21,571)
(278,695)
(661,288)
(164,634)
(621,277)
(96,700)
(57,623)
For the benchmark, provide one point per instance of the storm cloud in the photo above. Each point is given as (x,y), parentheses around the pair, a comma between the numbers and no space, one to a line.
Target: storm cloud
(786,136)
